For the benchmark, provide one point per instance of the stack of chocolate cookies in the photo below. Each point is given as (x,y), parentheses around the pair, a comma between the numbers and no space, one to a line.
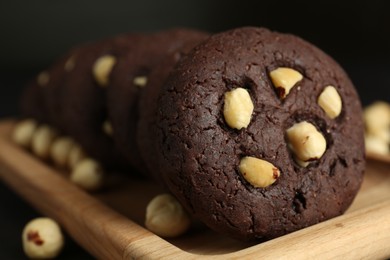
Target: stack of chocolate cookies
(256,133)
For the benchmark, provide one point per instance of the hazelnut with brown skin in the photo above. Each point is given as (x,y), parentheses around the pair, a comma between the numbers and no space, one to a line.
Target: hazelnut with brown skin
(284,79)
(42,239)
(259,173)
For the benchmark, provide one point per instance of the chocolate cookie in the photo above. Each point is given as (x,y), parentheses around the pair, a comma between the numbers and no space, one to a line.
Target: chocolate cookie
(147,108)
(40,99)
(260,134)
(33,102)
(130,76)
(83,97)
(52,92)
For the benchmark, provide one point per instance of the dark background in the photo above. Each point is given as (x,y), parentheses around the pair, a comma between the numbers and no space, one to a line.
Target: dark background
(34,33)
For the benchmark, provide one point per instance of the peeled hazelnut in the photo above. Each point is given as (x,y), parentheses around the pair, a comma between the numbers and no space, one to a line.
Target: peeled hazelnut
(42,140)
(23,132)
(306,142)
(284,79)
(380,133)
(70,63)
(60,150)
(258,172)
(330,101)
(76,154)
(43,78)
(376,145)
(377,120)
(42,239)
(88,174)
(166,217)
(238,108)
(102,69)
(107,128)
(140,81)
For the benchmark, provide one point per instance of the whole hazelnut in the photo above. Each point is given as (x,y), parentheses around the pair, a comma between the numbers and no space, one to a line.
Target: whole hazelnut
(23,132)
(166,217)
(60,150)
(306,142)
(88,174)
(377,120)
(42,238)
(258,172)
(102,68)
(43,78)
(42,140)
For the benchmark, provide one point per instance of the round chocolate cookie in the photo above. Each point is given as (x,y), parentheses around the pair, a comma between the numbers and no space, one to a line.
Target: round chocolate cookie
(82,98)
(34,102)
(40,99)
(52,92)
(131,75)
(260,134)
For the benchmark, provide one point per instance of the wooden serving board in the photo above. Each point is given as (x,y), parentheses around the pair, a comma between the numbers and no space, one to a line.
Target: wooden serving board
(109,224)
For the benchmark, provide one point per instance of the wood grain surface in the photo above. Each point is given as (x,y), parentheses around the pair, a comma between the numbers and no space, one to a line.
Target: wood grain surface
(109,224)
